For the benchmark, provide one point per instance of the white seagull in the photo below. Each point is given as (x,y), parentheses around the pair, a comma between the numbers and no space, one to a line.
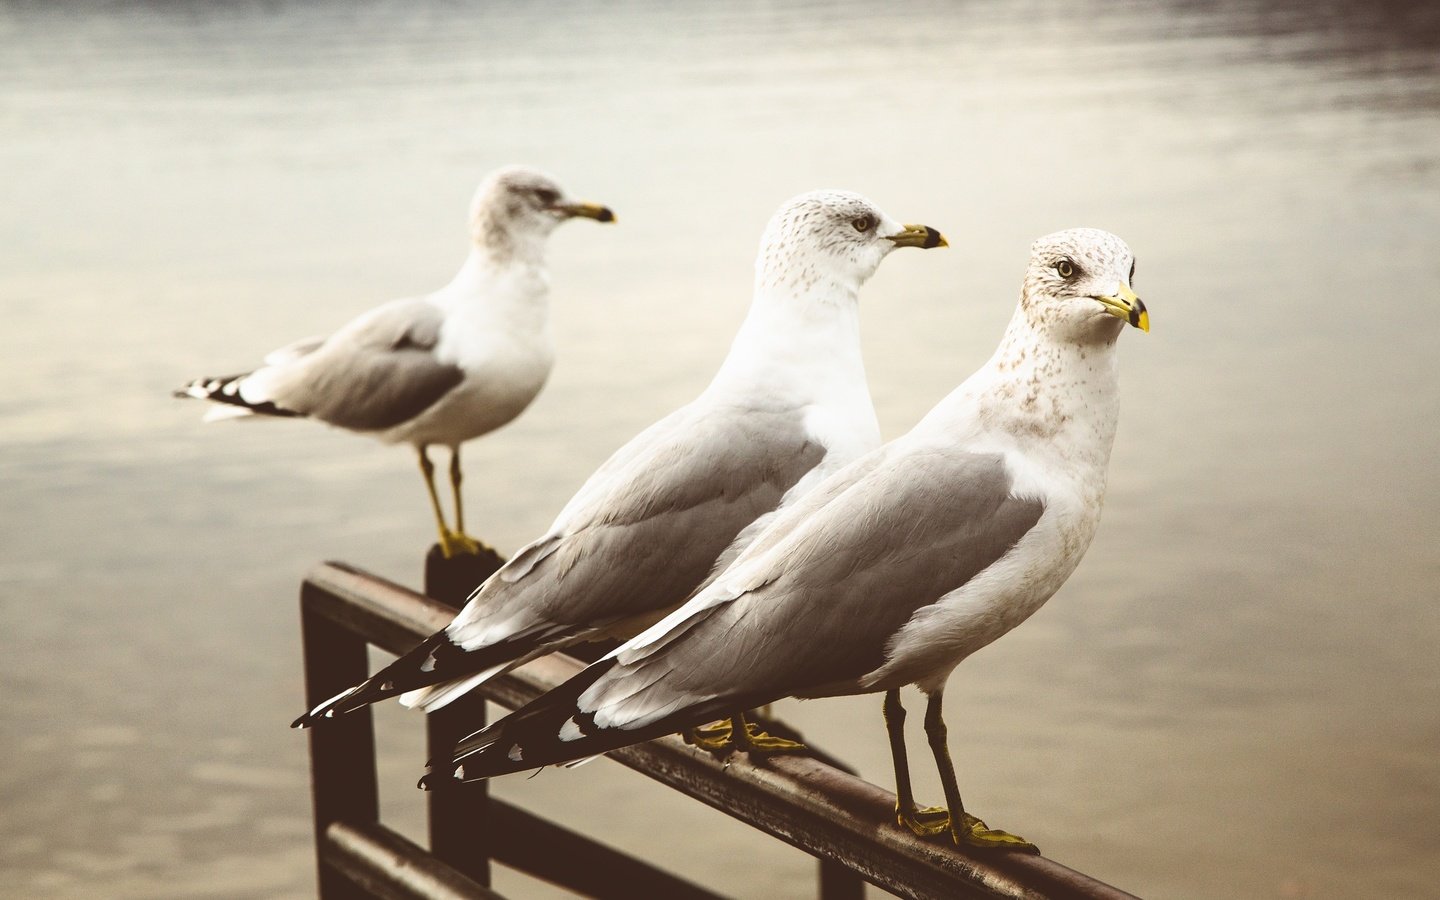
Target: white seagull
(788,407)
(438,369)
(894,569)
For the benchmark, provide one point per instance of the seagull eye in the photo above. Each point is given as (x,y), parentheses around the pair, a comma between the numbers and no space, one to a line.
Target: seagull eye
(1132,273)
(864,223)
(1065,268)
(546,196)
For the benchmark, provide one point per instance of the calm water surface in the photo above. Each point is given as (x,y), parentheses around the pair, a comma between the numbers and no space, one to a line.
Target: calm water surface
(1236,695)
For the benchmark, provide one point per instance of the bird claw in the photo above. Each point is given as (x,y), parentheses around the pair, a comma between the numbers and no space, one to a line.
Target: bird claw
(932,820)
(719,737)
(713,737)
(456,543)
(977,834)
(926,822)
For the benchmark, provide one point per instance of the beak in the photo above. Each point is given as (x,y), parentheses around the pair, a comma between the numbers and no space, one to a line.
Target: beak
(1125,305)
(587,210)
(918,236)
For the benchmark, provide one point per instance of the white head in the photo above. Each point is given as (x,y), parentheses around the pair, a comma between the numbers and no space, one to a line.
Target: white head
(517,206)
(1077,287)
(831,239)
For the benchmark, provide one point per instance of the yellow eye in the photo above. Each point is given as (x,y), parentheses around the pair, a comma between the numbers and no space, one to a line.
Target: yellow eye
(864,223)
(1066,268)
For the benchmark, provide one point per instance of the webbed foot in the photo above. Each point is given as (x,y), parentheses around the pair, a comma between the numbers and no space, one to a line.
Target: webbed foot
(719,737)
(926,822)
(976,833)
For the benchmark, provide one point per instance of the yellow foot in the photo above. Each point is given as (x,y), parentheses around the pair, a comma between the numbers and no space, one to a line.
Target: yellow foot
(713,737)
(926,822)
(455,543)
(719,736)
(976,833)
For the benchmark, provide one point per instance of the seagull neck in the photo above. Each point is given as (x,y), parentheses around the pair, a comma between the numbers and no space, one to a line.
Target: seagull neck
(801,347)
(514,288)
(1055,398)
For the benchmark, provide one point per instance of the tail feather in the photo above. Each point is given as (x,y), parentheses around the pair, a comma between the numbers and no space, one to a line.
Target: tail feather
(434,660)
(486,663)
(433,674)
(554,730)
(226,390)
(438,696)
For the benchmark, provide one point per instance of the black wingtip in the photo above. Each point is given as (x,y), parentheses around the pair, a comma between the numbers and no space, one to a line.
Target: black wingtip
(433,780)
(303,721)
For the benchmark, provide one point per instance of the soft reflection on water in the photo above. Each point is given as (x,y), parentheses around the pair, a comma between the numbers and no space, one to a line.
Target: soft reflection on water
(1236,694)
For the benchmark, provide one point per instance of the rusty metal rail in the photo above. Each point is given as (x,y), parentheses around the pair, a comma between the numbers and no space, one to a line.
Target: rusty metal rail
(844,821)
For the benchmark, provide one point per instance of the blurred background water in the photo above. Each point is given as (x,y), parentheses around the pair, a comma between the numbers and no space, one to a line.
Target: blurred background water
(1236,695)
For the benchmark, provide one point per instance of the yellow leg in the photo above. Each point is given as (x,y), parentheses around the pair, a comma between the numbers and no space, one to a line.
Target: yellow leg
(964,828)
(450,543)
(464,542)
(925,822)
(723,735)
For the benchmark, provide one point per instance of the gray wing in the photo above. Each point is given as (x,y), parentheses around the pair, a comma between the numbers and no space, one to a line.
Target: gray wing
(645,531)
(375,373)
(899,531)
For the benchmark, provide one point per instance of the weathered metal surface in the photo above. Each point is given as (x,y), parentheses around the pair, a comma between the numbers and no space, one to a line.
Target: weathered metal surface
(800,800)
(381,863)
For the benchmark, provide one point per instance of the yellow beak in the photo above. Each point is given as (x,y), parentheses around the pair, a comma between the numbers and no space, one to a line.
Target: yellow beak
(1125,305)
(587,210)
(919,236)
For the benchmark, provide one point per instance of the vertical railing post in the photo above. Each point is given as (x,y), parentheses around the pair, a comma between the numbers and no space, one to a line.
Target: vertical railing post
(839,883)
(459,817)
(342,754)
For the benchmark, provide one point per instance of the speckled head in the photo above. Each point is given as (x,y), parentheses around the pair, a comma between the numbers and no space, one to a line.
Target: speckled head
(1078,286)
(832,239)
(517,203)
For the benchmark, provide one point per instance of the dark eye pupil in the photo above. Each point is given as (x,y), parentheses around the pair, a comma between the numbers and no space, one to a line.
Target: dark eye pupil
(1065,268)
(864,223)
(546,196)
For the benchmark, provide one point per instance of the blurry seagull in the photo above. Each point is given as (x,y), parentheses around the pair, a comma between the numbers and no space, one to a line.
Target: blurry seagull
(894,569)
(788,407)
(438,369)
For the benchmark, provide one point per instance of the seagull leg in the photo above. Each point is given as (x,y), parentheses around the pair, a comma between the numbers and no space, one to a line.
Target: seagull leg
(463,542)
(448,545)
(925,822)
(964,828)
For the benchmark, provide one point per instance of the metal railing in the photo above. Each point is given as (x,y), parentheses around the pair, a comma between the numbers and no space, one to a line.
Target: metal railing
(809,802)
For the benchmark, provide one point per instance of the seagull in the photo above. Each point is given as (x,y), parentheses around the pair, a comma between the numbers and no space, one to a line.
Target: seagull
(788,407)
(437,369)
(895,568)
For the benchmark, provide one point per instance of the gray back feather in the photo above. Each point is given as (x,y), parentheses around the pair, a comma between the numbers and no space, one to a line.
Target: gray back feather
(899,531)
(377,372)
(676,497)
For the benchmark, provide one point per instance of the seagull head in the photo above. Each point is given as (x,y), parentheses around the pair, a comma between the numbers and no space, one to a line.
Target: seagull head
(1078,286)
(518,204)
(832,238)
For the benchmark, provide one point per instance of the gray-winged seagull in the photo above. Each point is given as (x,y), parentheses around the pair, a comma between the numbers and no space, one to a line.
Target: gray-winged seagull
(788,407)
(894,569)
(438,369)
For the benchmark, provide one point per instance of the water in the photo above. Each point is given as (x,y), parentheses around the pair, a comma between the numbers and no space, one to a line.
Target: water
(1234,696)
